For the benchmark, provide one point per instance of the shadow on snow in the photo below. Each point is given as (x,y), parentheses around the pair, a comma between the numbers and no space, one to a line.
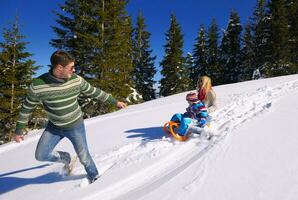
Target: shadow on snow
(9,183)
(150,133)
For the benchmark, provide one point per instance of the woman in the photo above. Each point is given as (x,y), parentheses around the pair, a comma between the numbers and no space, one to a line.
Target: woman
(206,94)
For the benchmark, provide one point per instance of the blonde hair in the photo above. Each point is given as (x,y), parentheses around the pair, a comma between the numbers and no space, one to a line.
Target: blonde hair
(204,83)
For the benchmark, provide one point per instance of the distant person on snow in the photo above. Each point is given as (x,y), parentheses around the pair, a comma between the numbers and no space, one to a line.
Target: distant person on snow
(194,119)
(58,91)
(206,94)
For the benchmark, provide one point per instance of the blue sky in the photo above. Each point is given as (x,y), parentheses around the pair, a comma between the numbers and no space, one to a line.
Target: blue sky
(36,18)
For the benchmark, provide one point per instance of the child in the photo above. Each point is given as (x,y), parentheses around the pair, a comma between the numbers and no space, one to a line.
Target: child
(194,119)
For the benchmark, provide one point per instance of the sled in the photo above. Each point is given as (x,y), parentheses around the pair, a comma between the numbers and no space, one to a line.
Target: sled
(170,128)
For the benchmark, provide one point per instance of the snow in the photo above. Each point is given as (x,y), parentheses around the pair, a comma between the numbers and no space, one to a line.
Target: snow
(253,154)
(134,95)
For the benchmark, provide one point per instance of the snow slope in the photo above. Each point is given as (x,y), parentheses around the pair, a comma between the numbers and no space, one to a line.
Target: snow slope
(252,156)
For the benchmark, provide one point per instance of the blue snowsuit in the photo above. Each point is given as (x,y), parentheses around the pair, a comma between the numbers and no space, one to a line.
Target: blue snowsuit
(193,120)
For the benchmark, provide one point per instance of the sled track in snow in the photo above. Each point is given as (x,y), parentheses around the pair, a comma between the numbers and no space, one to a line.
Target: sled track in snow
(227,119)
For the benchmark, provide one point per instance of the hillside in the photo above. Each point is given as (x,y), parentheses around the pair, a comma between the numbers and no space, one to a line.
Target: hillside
(252,156)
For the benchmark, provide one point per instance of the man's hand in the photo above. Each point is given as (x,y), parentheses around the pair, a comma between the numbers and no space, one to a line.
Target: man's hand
(121,104)
(18,138)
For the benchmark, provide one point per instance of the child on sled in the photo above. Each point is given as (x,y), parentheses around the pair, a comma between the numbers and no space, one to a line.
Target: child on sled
(195,117)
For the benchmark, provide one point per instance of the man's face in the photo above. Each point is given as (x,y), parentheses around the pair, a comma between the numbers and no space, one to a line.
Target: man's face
(67,71)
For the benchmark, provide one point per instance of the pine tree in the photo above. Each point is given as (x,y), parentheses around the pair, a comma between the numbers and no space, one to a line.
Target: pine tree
(143,62)
(247,54)
(16,71)
(279,40)
(115,67)
(230,50)
(292,16)
(175,78)
(213,53)
(76,19)
(261,37)
(98,34)
(191,71)
(200,56)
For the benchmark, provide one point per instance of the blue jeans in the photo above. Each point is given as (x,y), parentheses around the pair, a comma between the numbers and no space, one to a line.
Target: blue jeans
(77,136)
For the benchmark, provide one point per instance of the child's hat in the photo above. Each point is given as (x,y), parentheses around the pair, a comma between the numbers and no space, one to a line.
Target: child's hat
(192,96)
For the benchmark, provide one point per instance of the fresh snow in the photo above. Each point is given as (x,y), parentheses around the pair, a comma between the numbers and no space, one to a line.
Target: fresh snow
(253,154)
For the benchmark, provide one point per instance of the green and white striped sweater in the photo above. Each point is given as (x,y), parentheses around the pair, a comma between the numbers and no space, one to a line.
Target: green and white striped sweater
(59,99)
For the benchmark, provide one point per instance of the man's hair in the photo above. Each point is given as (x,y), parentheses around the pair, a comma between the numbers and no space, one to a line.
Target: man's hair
(61,58)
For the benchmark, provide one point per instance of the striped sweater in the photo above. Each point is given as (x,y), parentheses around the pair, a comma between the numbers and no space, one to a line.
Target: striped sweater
(59,99)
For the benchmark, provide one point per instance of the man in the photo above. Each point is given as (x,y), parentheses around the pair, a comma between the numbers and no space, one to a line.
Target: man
(58,91)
